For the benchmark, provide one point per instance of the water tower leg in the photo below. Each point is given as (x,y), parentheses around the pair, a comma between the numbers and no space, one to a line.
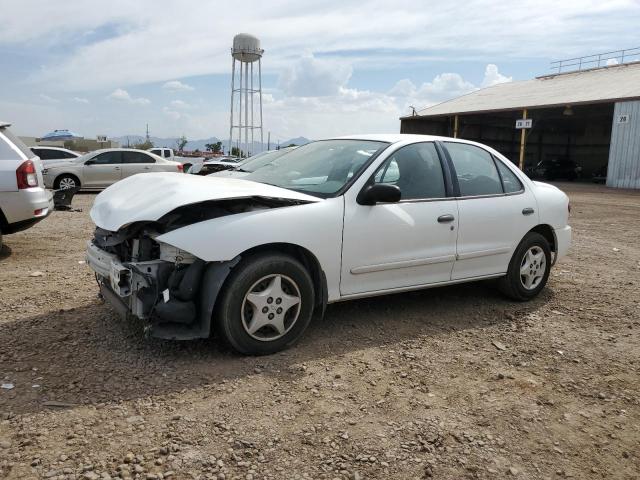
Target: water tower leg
(260,97)
(252,124)
(233,71)
(246,107)
(240,109)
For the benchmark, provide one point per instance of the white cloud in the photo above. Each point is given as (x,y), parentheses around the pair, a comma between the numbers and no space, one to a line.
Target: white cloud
(122,95)
(312,77)
(493,77)
(177,86)
(172,114)
(80,100)
(48,99)
(180,104)
(397,33)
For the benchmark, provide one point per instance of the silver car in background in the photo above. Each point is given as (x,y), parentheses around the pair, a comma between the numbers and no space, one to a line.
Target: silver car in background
(99,169)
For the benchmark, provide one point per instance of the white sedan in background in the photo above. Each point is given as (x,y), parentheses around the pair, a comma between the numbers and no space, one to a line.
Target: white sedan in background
(252,259)
(101,168)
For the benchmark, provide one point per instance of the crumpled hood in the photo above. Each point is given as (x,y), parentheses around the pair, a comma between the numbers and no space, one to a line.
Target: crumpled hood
(149,196)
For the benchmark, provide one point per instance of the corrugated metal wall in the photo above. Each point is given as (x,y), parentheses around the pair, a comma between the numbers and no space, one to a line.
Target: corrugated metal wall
(624,153)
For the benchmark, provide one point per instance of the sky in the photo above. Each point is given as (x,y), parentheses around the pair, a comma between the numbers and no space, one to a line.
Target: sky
(329,68)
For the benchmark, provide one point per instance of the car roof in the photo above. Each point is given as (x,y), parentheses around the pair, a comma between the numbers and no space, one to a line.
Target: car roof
(393,137)
(102,150)
(61,149)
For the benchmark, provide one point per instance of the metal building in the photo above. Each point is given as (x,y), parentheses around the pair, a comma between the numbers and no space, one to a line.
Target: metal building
(590,118)
(245,120)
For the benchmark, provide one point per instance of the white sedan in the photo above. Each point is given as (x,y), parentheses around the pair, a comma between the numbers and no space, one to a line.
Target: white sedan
(101,168)
(254,258)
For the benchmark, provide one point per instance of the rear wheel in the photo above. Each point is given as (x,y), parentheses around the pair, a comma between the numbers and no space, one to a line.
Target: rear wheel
(529,268)
(65,182)
(266,305)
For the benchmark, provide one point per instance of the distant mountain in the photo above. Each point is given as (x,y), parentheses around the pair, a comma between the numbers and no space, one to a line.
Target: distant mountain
(171,142)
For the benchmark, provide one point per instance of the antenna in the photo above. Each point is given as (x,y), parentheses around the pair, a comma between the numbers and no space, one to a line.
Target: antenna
(246,51)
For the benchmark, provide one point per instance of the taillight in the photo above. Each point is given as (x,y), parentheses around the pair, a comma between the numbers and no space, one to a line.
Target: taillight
(26,175)
(180,167)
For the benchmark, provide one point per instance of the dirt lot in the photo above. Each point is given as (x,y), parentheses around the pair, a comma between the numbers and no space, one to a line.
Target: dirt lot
(445,383)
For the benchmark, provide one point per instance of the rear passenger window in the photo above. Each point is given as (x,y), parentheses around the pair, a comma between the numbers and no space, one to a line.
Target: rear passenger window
(476,171)
(137,157)
(510,182)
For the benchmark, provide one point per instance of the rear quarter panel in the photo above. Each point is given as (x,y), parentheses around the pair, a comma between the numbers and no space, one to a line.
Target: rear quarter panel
(553,205)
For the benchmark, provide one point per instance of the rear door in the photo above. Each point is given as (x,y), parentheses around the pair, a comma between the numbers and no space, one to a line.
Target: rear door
(102,170)
(495,211)
(136,162)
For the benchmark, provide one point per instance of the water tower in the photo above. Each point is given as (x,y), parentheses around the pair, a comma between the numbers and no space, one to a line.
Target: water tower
(245,120)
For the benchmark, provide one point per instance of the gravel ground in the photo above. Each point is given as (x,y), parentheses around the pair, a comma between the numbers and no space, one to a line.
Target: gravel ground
(447,383)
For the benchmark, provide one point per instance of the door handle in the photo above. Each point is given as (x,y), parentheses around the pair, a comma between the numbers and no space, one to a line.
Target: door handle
(446,218)
(147,168)
(116,168)
(527,211)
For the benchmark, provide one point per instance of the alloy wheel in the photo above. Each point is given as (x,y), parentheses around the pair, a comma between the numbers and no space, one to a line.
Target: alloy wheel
(271,307)
(533,267)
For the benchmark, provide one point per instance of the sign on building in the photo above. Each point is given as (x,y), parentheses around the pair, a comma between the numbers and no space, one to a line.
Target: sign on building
(623,118)
(101,138)
(524,123)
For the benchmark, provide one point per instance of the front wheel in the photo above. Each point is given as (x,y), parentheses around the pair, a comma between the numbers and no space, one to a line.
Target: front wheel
(266,305)
(529,268)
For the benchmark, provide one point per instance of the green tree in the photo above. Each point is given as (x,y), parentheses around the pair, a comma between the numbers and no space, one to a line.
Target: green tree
(214,147)
(236,152)
(181,142)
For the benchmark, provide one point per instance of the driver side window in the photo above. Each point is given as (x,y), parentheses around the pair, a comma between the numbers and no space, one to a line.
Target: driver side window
(416,170)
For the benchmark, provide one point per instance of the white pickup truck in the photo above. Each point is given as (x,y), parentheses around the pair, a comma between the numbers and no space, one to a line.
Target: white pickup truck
(169,154)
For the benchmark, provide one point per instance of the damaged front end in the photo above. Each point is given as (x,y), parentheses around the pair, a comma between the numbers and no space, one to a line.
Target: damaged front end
(170,289)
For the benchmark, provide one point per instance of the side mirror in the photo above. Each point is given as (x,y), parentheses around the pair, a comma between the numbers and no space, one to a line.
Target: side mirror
(379,193)
(89,162)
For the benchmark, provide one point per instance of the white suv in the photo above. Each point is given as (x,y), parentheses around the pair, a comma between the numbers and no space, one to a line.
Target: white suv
(23,199)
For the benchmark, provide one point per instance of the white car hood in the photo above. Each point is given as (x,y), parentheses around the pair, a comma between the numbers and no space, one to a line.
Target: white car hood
(149,196)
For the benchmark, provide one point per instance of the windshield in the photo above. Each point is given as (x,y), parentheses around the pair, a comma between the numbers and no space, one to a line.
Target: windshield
(319,168)
(262,159)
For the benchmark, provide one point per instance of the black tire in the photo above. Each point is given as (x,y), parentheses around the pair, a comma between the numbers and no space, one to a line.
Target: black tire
(66,179)
(232,310)
(512,284)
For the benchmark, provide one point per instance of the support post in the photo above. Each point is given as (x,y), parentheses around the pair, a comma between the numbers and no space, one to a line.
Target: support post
(455,126)
(523,139)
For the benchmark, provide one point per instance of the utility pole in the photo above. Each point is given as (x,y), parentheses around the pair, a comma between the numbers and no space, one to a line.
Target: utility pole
(147,132)
(269,141)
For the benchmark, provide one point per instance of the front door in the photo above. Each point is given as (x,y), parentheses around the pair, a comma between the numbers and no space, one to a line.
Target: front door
(136,162)
(404,244)
(102,170)
(495,211)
